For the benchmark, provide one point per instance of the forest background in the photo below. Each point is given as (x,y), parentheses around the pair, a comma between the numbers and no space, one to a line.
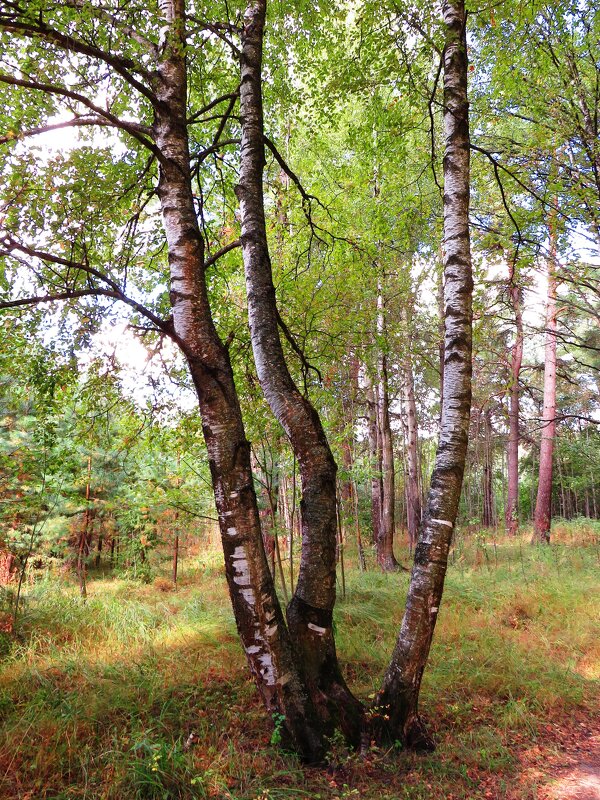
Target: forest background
(104,472)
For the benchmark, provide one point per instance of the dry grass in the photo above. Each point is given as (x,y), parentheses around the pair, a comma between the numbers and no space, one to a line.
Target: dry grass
(98,701)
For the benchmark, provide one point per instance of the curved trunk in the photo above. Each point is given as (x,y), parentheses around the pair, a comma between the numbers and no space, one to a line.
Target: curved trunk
(310,612)
(257,611)
(397,702)
(411,431)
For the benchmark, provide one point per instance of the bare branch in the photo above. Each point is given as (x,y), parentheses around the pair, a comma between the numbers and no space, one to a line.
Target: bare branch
(306,197)
(216,256)
(120,65)
(219,29)
(76,122)
(131,128)
(213,148)
(205,109)
(114,289)
(296,347)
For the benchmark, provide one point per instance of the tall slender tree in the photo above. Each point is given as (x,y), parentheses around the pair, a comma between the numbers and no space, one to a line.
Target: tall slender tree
(543,505)
(398,698)
(310,612)
(514,397)
(157,81)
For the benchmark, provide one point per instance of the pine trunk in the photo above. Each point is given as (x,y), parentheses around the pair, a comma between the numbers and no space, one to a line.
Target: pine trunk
(489,504)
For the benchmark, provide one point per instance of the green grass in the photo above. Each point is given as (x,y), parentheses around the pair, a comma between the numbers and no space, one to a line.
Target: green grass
(98,699)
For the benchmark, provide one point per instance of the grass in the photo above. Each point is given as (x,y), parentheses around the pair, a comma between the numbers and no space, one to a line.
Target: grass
(144,694)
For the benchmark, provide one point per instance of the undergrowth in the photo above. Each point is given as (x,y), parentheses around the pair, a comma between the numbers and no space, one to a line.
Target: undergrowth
(143,693)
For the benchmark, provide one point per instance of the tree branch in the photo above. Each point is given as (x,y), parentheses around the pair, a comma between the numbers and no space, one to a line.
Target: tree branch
(114,289)
(219,29)
(131,128)
(197,114)
(213,148)
(296,347)
(216,256)
(306,197)
(120,65)
(76,122)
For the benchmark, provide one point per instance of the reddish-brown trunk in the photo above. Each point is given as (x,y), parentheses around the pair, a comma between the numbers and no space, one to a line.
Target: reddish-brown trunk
(385,542)
(375,458)
(489,505)
(175,556)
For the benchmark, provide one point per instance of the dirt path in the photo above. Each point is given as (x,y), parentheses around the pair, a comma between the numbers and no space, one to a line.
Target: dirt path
(566,765)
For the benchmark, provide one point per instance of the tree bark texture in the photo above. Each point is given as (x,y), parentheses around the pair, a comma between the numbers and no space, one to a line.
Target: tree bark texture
(489,504)
(396,706)
(514,399)
(257,611)
(375,459)
(413,489)
(310,612)
(543,505)
(385,541)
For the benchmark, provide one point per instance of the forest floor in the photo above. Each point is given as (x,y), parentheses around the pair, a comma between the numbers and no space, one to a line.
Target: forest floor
(142,692)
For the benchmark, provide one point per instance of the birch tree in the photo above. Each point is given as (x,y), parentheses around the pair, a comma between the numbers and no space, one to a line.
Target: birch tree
(397,701)
(149,75)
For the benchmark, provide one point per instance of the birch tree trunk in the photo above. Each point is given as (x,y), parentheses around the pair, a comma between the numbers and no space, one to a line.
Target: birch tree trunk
(396,705)
(385,542)
(514,398)
(543,505)
(257,611)
(310,612)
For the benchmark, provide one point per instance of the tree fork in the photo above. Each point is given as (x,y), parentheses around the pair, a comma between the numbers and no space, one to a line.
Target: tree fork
(258,615)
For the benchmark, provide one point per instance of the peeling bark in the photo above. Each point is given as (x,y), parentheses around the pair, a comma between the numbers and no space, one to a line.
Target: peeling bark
(514,394)
(310,612)
(258,615)
(396,705)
